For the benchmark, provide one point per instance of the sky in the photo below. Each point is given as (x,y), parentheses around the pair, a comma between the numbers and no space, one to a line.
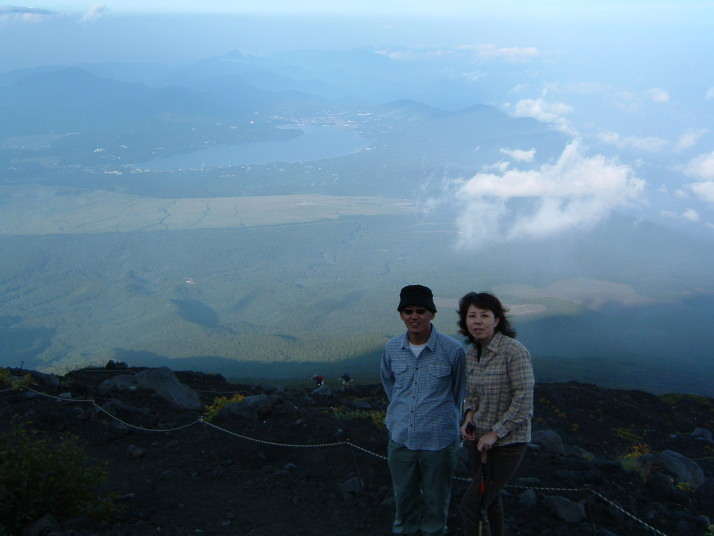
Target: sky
(630,82)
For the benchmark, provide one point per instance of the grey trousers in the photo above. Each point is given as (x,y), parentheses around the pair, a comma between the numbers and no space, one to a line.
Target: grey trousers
(422,488)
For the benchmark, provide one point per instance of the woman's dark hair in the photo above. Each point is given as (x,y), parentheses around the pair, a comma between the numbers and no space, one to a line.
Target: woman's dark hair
(484,300)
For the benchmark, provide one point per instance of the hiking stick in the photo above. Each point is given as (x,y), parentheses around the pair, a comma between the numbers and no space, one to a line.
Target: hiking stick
(482,491)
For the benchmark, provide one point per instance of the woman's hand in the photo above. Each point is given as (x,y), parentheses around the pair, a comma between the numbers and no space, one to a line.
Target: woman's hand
(487,441)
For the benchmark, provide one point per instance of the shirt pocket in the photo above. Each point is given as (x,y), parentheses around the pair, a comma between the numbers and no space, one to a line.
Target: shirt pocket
(399,366)
(439,371)
(400,369)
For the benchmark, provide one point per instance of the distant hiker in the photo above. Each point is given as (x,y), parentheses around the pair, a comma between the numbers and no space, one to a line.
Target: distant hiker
(319,380)
(345,379)
(423,376)
(498,409)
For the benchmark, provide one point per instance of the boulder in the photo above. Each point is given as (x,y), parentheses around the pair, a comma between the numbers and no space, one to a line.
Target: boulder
(702,434)
(165,384)
(123,382)
(681,468)
(353,487)
(528,498)
(323,390)
(252,407)
(549,441)
(565,509)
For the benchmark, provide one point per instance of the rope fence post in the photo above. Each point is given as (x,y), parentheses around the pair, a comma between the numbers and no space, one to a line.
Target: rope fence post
(591,516)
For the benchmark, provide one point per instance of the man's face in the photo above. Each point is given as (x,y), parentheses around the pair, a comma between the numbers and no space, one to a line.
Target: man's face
(418,321)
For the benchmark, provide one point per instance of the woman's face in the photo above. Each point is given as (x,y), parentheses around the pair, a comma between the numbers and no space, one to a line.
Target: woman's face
(481,324)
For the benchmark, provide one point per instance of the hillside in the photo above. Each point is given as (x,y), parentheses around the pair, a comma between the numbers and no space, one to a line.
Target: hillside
(293,461)
(183,266)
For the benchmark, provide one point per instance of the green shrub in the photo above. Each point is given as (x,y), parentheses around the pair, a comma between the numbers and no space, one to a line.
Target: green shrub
(218,404)
(40,476)
(14,382)
(628,435)
(632,461)
(375,416)
(686,487)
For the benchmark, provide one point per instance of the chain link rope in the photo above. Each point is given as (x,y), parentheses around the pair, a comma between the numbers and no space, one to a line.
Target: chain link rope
(348,443)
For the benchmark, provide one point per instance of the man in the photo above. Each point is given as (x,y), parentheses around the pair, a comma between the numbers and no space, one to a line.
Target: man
(423,375)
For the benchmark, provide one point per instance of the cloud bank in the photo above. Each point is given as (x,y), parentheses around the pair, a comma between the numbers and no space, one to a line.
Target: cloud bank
(508,54)
(650,144)
(24,14)
(578,191)
(481,53)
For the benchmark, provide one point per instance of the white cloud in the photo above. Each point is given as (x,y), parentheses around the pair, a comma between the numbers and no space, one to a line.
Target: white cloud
(497,167)
(474,75)
(483,52)
(704,190)
(658,95)
(689,138)
(96,12)
(624,100)
(710,93)
(691,215)
(650,144)
(519,88)
(547,112)
(701,167)
(519,155)
(578,191)
(508,54)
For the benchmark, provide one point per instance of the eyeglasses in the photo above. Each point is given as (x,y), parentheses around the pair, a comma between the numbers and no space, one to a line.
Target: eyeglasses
(409,311)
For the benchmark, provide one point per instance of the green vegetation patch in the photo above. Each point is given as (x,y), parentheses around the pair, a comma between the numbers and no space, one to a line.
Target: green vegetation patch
(375,416)
(628,435)
(674,399)
(40,475)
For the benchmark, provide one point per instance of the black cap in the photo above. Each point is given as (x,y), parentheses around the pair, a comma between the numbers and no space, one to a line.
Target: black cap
(416,295)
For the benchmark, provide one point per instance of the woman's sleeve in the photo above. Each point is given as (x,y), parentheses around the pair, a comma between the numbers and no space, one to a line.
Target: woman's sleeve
(520,375)
(470,396)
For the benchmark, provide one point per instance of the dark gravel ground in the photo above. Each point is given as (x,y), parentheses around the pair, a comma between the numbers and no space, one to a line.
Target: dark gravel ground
(292,470)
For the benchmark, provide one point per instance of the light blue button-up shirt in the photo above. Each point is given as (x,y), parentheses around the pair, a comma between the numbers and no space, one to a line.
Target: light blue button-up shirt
(425,393)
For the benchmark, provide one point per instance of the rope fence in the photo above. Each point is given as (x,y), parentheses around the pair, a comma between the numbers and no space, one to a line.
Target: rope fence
(347,443)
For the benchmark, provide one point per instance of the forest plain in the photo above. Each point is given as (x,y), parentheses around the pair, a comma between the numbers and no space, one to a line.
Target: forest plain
(281,269)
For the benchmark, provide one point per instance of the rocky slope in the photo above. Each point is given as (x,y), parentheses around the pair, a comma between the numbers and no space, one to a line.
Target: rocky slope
(302,462)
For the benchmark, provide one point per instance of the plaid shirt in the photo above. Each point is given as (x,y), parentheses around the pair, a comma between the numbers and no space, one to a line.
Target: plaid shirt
(499,389)
(425,393)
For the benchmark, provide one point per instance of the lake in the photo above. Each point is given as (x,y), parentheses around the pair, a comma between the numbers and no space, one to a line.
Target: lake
(315,143)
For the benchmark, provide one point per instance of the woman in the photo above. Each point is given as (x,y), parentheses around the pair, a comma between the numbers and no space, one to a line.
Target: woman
(498,409)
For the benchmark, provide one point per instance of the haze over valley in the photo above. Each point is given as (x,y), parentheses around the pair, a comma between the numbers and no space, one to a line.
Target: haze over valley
(255,212)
